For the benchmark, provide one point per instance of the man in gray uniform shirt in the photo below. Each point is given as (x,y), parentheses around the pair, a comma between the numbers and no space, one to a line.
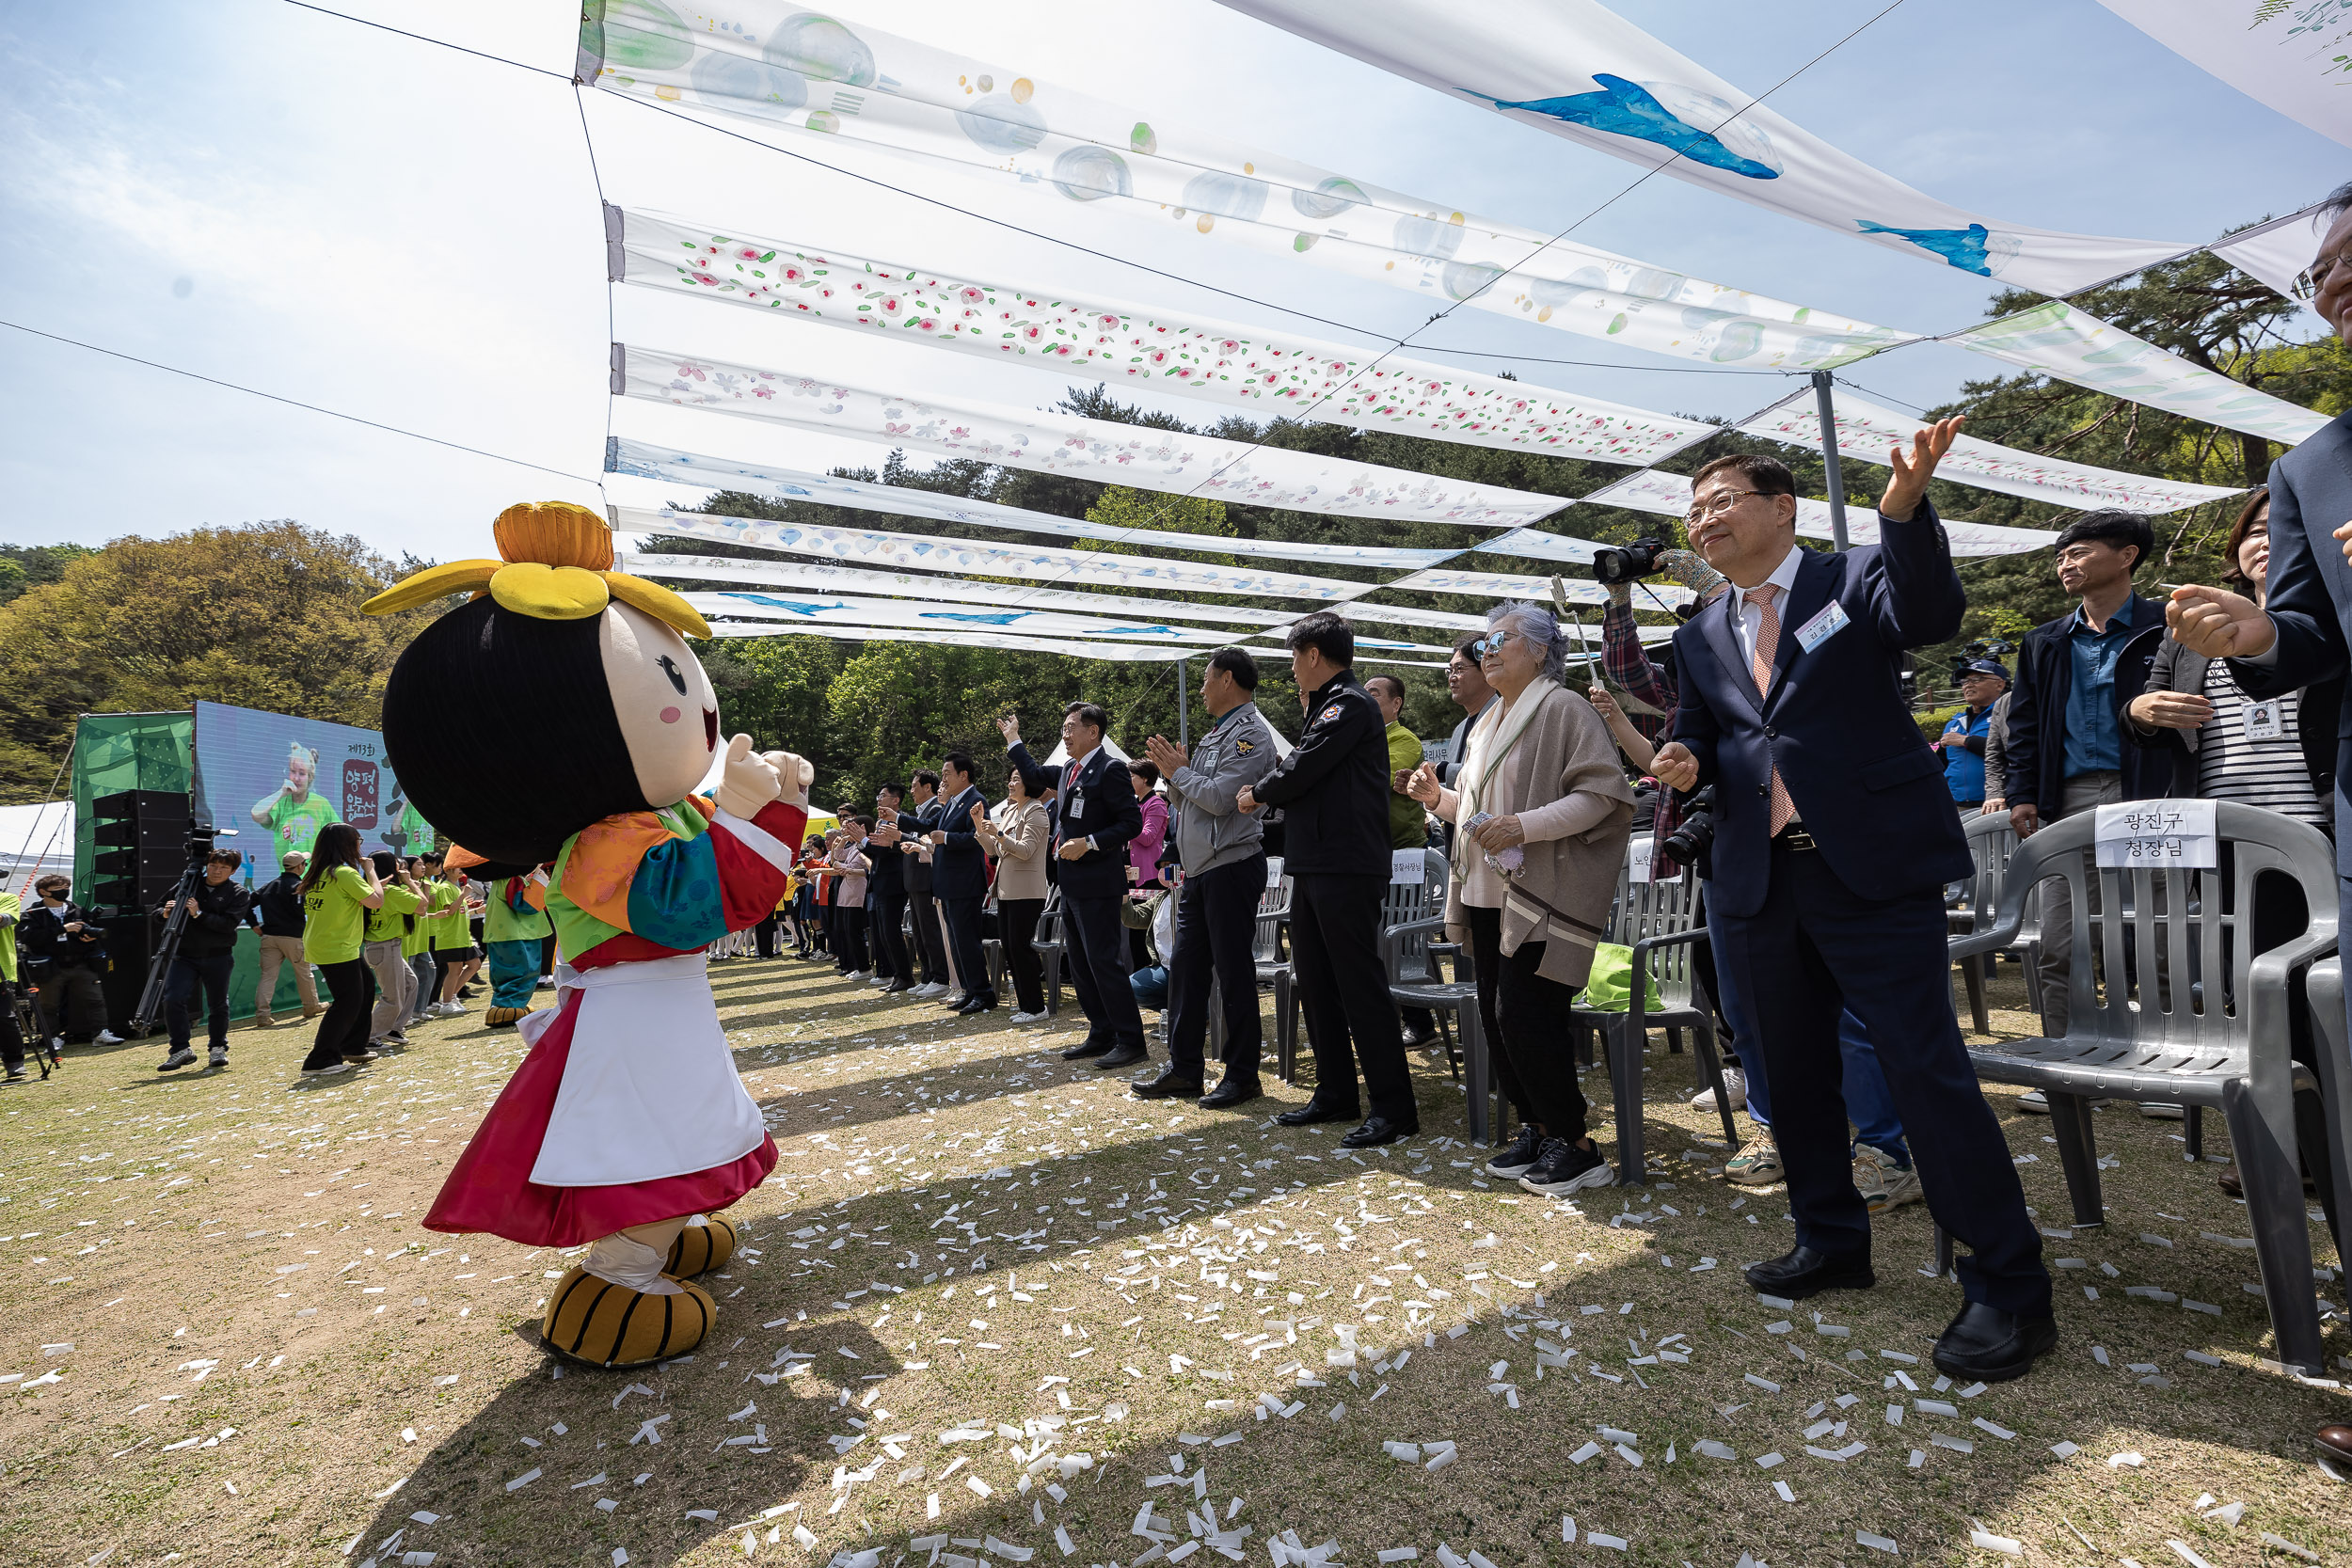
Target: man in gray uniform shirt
(1222,852)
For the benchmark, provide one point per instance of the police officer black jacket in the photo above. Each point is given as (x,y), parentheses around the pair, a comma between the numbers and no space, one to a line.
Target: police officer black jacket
(1333,787)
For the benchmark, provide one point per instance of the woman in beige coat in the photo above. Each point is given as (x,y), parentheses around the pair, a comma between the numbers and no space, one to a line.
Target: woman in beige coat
(1545,811)
(1018,847)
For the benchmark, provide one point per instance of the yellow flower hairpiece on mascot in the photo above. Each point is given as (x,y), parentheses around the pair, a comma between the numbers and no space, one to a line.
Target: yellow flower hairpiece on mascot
(555,564)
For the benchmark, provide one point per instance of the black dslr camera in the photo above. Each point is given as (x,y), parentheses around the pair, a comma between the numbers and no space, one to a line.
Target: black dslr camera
(1694,835)
(1626,564)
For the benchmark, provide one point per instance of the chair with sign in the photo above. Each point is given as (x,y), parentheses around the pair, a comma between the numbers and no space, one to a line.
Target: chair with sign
(1411,911)
(2171,1007)
(1660,921)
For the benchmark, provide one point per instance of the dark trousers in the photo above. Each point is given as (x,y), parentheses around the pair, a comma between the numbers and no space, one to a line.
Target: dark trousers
(1526,1017)
(1351,1023)
(1016,919)
(1816,948)
(1216,923)
(11,1037)
(848,949)
(186,975)
(1096,956)
(764,934)
(890,942)
(72,997)
(343,1028)
(963,936)
(931,938)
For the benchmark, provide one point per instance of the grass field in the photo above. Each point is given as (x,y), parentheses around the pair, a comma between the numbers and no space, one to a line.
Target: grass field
(990,1308)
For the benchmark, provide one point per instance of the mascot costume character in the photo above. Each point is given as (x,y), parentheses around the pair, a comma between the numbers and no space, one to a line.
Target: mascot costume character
(627,1123)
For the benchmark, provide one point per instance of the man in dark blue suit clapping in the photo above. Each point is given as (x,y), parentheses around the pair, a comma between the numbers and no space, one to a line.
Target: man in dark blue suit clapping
(1095,813)
(1834,838)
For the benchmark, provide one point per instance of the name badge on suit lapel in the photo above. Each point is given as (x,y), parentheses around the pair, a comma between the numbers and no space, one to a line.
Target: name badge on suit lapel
(1828,624)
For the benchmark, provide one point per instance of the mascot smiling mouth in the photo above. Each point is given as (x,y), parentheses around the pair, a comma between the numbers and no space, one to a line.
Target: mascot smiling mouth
(710,728)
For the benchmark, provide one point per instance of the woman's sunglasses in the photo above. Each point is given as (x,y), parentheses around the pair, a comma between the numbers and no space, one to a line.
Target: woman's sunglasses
(1490,644)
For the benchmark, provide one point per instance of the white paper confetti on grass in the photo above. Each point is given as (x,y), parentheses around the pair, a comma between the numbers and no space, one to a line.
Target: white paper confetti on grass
(2285,1546)
(1876,1542)
(522,1481)
(1985,1540)
(2181,1549)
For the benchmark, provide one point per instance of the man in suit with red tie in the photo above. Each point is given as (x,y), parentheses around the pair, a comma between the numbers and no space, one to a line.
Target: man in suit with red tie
(1834,838)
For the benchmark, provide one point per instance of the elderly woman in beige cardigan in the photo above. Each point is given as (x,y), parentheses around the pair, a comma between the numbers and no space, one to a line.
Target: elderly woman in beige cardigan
(1543,811)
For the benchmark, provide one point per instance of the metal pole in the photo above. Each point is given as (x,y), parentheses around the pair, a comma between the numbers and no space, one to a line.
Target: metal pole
(1184,709)
(1831,473)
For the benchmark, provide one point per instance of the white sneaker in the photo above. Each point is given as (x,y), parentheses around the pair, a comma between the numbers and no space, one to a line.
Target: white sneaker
(1882,1183)
(2034,1102)
(2161,1110)
(1735,1089)
(927,990)
(879,982)
(107,1037)
(956,1000)
(1028,1018)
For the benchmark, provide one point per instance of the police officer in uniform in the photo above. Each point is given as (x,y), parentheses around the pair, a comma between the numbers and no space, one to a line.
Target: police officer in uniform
(1095,813)
(1334,792)
(1223,854)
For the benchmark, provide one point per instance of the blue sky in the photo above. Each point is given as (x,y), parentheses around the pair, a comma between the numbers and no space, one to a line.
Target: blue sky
(333,213)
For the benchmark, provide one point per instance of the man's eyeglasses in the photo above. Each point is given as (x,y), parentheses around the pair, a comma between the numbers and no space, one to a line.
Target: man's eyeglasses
(1722,502)
(1491,644)
(2312,278)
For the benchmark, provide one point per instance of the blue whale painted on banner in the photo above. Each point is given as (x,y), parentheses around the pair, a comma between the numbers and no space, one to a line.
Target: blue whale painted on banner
(1963,248)
(1625,108)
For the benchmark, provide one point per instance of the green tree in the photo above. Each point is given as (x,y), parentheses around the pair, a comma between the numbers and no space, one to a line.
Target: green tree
(264,616)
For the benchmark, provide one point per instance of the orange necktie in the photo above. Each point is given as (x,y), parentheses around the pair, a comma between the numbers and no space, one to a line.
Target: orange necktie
(1760,666)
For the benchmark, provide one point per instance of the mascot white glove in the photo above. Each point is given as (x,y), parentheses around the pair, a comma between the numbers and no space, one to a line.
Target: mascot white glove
(749,782)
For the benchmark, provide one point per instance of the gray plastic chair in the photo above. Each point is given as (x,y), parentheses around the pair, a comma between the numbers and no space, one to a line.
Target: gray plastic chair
(2173,1009)
(1265,953)
(2326,1119)
(1660,921)
(1991,843)
(1050,948)
(1415,980)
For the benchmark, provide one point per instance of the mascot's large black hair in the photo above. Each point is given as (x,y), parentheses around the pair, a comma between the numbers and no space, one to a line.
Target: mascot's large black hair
(502,730)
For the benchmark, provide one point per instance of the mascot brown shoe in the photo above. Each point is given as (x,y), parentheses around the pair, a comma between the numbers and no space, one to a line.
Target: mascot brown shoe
(705,1244)
(606,1323)
(502,1018)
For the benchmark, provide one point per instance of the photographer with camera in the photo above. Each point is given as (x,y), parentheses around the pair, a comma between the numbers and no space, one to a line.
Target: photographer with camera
(1983,683)
(207,952)
(68,949)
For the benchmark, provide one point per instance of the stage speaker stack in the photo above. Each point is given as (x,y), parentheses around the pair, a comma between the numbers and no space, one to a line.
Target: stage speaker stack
(140,839)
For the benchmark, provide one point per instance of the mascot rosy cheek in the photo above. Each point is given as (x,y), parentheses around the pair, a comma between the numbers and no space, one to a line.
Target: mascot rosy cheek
(559,719)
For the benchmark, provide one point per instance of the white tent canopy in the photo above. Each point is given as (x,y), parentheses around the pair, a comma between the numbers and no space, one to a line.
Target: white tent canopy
(34,842)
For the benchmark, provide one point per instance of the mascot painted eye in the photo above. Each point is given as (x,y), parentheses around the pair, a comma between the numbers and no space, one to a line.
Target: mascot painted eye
(626,1122)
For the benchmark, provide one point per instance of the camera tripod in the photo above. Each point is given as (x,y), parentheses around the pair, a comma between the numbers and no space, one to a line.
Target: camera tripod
(144,1016)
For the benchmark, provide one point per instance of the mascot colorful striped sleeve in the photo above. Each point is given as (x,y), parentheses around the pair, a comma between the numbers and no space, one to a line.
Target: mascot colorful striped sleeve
(627,1123)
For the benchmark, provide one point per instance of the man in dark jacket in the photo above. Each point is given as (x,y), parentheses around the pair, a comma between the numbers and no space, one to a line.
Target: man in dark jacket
(208,949)
(1333,789)
(276,913)
(1095,814)
(885,888)
(68,951)
(2066,749)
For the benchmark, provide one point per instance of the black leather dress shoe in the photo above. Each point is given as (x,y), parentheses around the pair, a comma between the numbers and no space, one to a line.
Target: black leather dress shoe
(1801,1271)
(2335,1442)
(1310,1113)
(977,1005)
(1084,1049)
(1993,1346)
(1377,1130)
(1123,1056)
(1167,1086)
(1233,1091)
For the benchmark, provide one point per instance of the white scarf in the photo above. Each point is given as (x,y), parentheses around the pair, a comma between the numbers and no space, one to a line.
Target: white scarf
(1498,731)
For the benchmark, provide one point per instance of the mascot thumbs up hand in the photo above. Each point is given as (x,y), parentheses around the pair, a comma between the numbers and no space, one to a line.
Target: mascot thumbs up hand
(749,783)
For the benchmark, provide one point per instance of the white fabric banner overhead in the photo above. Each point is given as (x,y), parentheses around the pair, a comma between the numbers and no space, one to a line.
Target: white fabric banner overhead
(2053,339)
(2294,55)
(1578,70)
(1669,495)
(1123,652)
(825,77)
(1100,449)
(646,461)
(1244,367)
(835,610)
(1866,433)
(2277,252)
(815,576)
(937,553)
(1503,585)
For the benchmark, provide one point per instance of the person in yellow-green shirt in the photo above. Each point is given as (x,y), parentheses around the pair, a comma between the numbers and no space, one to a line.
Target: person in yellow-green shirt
(455,956)
(415,949)
(338,891)
(11,1037)
(388,930)
(515,924)
(294,812)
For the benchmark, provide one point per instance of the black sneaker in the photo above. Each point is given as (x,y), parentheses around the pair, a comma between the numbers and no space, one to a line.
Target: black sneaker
(1567,1167)
(1520,1155)
(181,1057)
